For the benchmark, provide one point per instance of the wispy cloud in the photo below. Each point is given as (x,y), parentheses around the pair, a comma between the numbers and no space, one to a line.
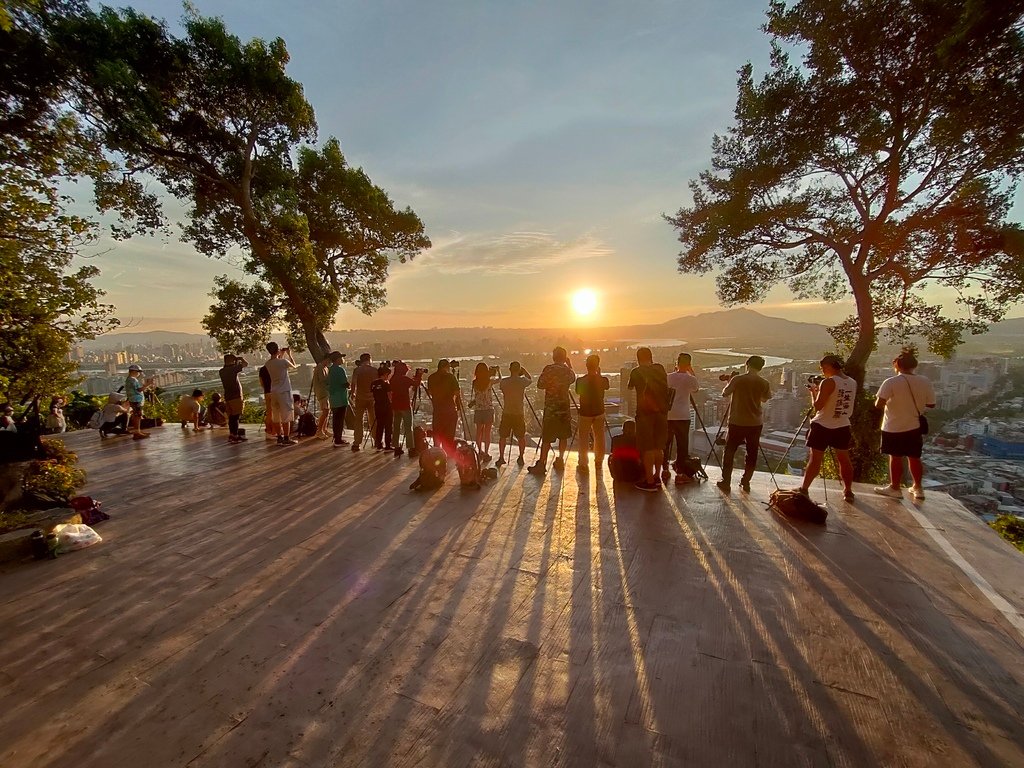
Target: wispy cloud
(512,253)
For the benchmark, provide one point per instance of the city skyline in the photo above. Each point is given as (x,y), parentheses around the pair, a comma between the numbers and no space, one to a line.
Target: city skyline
(541,148)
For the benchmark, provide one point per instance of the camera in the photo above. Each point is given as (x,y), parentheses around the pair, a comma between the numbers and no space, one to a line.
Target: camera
(453,363)
(728,376)
(495,370)
(421,371)
(814,380)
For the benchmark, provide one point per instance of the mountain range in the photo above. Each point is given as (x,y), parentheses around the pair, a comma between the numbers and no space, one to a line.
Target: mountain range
(726,328)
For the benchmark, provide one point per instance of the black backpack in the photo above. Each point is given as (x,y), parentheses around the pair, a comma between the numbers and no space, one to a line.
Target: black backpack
(307,425)
(797,506)
(692,467)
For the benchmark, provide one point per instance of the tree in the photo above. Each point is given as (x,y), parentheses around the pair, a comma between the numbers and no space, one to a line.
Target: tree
(882,165)
(46,304)
(218,122)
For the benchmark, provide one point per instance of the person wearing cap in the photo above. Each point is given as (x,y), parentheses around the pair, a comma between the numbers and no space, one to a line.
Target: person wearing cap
(229,379)
(361,398)
(135,393)
(337,396)
(746,420)
(832,400)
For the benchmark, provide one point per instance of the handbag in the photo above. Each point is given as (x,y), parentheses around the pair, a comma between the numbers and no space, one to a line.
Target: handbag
(922,420)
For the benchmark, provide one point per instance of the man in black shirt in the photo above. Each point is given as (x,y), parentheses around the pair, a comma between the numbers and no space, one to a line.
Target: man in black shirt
(233,366)
(445,399)
(653,401)
(591,388)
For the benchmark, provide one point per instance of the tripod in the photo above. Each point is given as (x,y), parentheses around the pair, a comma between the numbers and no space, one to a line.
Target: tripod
(704,429)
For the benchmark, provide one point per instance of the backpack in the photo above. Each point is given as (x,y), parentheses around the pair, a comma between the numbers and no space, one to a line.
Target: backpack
(467,462)
(692,467)
(433,468)
(795,505)
(307,425)
(656,395)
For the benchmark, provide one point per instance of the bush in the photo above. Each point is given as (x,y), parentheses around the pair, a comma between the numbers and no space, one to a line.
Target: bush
(49,480)
(1011,528)
(58,453)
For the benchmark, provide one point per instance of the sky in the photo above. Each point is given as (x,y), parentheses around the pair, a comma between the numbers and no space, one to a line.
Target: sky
(540,143)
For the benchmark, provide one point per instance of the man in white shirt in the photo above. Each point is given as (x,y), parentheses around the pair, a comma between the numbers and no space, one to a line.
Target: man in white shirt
(278,366)
(904,398)
(832,398)
(685,385)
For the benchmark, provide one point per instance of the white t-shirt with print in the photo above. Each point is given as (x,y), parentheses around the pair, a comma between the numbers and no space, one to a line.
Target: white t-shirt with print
(900,411)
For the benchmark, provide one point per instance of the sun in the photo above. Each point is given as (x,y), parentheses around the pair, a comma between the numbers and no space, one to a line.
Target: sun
(584,302)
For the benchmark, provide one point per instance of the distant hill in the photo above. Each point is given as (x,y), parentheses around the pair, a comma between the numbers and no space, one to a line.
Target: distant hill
(742,328)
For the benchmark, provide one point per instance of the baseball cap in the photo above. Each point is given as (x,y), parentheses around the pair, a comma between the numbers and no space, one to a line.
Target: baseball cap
(134,367)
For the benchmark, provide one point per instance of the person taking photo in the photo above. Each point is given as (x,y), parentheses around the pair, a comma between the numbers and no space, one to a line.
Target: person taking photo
(749,392)
(683,383)
(446,400)
(904,398)
(513,417)
(279,368)
(591,388)
(555,380)
(653,401)
(832,399)
(483,410)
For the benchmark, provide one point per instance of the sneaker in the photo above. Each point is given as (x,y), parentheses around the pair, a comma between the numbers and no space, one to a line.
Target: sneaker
(745,486)
(520,461)
(537,469)
(643,485)
(559,463)
(889,491)
(355,448)
(272,437)
(378,447)
(399,452)
(289,441)
(500,462)
(343,441)
(280,439)
(848,496)
(724,486)
(103,433)
(682,479)
(917,492)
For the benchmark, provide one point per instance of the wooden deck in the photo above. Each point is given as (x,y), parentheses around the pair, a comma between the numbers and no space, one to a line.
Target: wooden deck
(262,606)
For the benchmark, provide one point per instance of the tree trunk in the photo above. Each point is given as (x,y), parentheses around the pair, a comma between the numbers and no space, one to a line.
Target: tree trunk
(316,342)
(868,465)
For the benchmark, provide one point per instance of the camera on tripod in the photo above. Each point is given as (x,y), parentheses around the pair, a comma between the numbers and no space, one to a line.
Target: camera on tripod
(728,376)
(422,371)
(814,380)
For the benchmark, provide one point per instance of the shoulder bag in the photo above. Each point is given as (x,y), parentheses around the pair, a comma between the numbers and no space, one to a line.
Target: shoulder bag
(922,420)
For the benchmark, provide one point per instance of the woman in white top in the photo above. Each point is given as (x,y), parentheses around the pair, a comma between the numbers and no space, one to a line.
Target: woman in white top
(904,398)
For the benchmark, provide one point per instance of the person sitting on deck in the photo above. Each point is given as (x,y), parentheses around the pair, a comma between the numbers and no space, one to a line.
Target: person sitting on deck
(624,463)
(217,412)
(190,409)
(114,416)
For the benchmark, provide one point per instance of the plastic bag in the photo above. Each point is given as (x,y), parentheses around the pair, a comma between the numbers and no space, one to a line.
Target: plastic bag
(74,536)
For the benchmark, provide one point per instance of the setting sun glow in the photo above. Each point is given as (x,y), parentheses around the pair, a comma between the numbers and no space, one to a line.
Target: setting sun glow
(584,302)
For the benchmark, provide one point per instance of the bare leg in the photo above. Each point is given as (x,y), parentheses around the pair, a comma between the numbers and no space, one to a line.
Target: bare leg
(895,472)
(845,469)
(916,470)
(814,467)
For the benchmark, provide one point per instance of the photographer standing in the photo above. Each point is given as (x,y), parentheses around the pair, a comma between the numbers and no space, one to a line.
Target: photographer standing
(513,417)
(904,398)
(832,398)
(483,410)
(363,376)
(443,390)
(591,388)
(653,401)
(135,391)
(685,385)
(229,379)
(337,395)
(279,367)
(402,387)
(555,380)
(746,420)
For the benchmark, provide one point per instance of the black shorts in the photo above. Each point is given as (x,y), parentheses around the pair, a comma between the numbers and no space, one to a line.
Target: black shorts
(512,424)
(903,443)
(651,431)
(821,438)
(136,408)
